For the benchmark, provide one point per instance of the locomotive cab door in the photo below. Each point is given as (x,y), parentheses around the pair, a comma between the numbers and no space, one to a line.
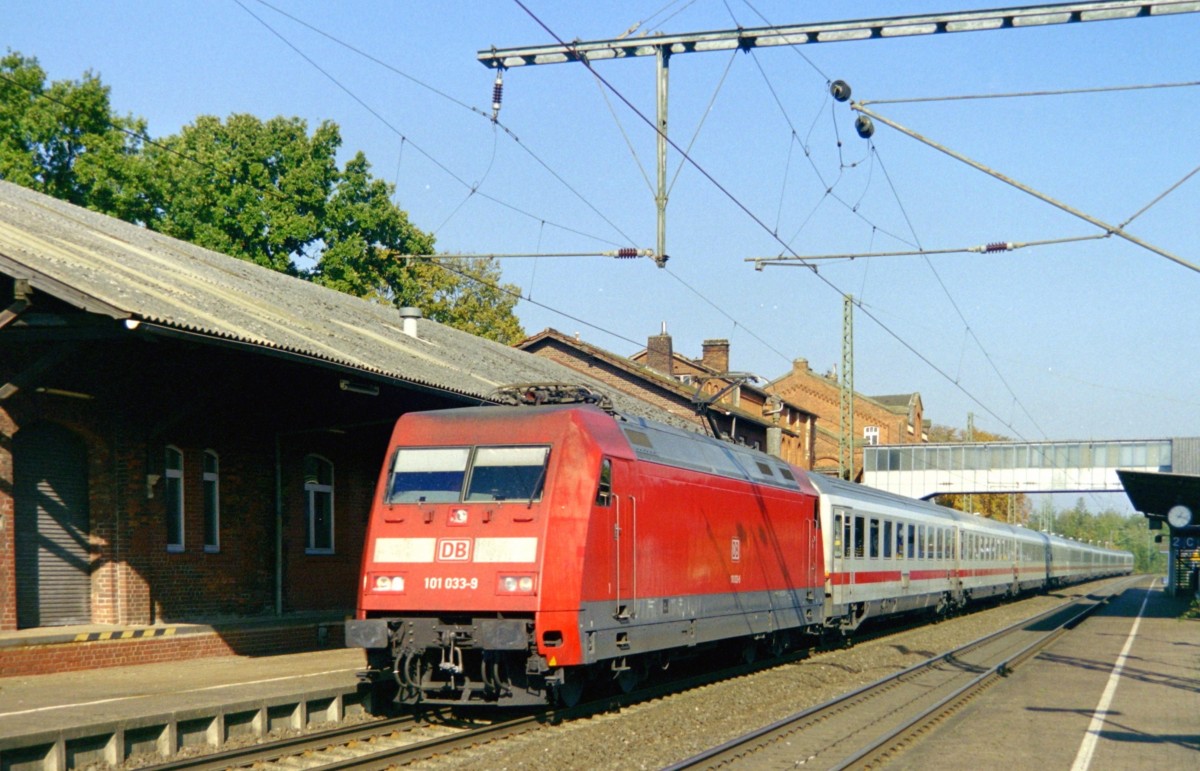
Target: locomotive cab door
(623,512)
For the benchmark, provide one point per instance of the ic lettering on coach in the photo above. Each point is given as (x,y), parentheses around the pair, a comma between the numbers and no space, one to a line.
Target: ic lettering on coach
(454,550)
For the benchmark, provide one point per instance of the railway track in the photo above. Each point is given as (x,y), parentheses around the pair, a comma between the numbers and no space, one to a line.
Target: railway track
(864,728)
(837,729)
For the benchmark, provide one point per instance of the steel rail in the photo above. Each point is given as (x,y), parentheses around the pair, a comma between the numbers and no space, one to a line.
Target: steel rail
(263,753)
(729,750)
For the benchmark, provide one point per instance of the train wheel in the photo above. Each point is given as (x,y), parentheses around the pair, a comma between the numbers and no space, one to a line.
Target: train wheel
(627,680)
(570,691)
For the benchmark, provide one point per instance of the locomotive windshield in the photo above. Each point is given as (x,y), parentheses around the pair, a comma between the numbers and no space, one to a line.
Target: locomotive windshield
(453,474)
(432,475)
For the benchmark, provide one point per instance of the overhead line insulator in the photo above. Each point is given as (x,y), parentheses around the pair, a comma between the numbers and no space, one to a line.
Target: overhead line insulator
(497,94)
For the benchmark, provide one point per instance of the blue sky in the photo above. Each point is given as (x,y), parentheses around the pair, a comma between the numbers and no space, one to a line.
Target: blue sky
(1090,339)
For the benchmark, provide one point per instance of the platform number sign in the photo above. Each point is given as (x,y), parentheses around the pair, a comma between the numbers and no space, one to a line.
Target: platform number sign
(735,550)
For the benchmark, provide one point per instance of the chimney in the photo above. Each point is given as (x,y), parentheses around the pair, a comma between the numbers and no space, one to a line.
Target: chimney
(800,366)
(715,355)
(408,320)
(659,355)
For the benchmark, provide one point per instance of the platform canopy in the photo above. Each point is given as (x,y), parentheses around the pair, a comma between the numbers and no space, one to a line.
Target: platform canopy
(1154,493)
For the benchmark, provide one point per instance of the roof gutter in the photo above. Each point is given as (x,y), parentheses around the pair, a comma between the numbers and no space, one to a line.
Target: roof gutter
(142,326)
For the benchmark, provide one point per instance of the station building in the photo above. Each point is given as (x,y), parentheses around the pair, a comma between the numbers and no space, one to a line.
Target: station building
(185,435)
(693,390)
(890,419)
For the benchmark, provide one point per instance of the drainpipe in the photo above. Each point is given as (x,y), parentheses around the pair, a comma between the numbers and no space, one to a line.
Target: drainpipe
(278,528)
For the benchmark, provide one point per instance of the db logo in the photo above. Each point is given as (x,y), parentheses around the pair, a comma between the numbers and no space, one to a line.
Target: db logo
(454,550)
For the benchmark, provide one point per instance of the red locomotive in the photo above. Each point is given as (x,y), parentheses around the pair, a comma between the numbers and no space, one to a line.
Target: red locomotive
(515,553)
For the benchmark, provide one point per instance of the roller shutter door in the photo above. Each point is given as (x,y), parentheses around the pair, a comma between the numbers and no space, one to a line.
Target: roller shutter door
(51,502)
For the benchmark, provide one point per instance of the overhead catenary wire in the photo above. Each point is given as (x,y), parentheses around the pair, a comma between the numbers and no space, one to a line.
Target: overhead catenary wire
(472,189)
(988,248)
(1107,227)
(740,205)
(628,253)
(1024,94)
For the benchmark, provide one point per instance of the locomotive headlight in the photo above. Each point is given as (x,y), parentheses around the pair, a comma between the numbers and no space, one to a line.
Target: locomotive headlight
(515,584)
(389,583)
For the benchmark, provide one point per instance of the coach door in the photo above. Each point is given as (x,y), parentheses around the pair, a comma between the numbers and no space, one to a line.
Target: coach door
(843,537)
(50,488)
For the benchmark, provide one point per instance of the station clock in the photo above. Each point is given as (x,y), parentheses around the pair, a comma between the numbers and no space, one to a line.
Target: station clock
(1179,516)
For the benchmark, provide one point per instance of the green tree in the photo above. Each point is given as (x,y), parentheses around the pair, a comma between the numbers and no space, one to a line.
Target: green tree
(64,139)
(270,193)
(248,188)
(1007,507)
(1112,529)
(265,191)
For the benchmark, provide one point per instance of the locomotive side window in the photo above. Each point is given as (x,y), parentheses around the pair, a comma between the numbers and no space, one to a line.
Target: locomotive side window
(604,490)
(428,475)
(508,473)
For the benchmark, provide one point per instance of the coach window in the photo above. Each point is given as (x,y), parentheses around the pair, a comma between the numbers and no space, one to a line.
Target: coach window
(912,536)
(846,528)
(318,505)
(860,535)
(173,498)
(212,502)
(874,545)
(604,491)
(887,539)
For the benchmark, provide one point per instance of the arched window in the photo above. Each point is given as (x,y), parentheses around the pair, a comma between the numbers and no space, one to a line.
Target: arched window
(318,505)
(173,497)
(212,501)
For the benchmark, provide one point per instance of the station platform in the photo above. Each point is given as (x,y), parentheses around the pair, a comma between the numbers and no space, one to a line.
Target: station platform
(68,720)
(1121,691)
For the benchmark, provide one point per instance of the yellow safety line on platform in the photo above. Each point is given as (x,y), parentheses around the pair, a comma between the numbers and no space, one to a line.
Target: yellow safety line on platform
(128,634)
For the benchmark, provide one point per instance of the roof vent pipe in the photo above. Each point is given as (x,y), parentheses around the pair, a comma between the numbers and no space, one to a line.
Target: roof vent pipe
(408,320)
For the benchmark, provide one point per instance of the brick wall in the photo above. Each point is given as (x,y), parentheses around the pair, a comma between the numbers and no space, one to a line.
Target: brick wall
(143,395)
(822,396)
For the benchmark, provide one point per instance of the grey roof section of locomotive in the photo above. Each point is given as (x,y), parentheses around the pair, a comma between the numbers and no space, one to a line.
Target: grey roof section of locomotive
(110,267)
(655,442)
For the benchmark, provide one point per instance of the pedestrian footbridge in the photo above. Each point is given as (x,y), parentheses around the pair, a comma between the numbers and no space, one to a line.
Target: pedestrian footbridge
(925,470)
